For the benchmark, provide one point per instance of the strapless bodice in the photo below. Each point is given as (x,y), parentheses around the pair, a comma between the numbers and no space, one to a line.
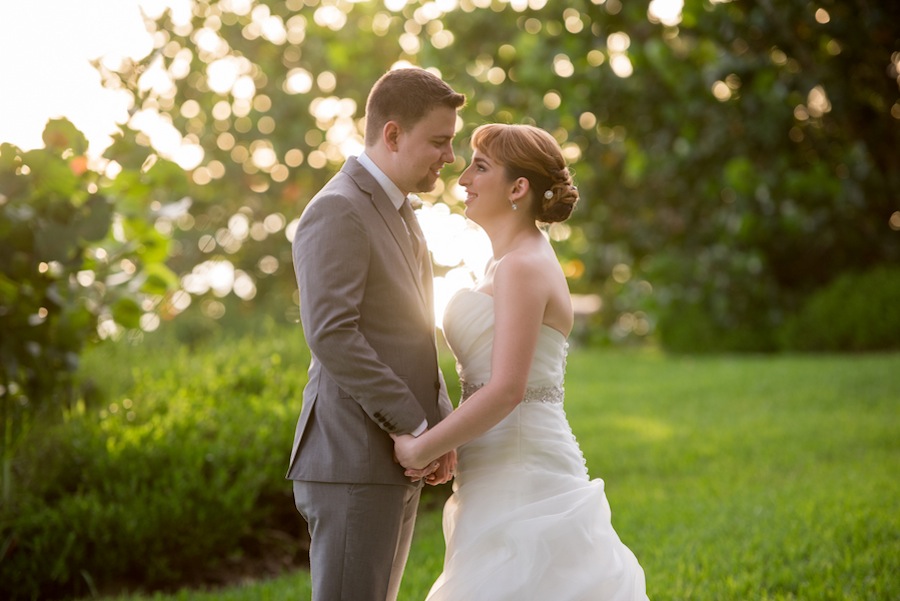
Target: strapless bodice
(469,330)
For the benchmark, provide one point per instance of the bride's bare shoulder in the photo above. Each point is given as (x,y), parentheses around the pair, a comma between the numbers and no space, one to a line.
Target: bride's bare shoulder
(527,266)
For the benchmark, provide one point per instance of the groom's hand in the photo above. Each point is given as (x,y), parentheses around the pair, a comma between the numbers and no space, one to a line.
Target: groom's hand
(445,471)
(423,474)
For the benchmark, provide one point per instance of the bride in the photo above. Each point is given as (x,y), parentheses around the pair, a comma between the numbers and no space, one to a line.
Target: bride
(525,522)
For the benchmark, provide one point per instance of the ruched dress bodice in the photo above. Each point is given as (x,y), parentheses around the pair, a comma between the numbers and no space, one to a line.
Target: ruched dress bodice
(469,330)
(525,522)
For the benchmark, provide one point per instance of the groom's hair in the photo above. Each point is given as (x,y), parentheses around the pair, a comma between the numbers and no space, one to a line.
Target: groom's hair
(406,95)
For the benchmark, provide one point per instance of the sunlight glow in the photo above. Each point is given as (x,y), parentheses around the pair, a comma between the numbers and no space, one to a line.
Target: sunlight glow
(271,26)
(394,5)
(618,42)
(721,91)
(215,276)
(180,10)
(59,40)
(894,221)
(619,62)
(667,12)
(221,75)
(149,322)
(454,242)
(157,80)
(238,7)
(621,65)
(331,17)
(817,102)
(48,45)
(642,428)
(563,66)
(210,43)
(299,81)
(166,139)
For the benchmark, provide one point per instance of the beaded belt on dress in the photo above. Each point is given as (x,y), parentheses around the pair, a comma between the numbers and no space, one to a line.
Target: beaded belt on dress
(533,394)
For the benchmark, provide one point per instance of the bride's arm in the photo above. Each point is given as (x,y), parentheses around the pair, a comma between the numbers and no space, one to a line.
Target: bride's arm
(520,299)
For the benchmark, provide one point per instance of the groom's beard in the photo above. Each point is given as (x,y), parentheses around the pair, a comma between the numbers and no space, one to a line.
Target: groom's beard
(427,183)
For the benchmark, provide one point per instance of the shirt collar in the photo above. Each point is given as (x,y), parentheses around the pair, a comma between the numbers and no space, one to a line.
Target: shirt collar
(394,194)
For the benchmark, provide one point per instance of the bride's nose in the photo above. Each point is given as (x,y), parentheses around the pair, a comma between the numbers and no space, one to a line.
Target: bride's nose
(464,178)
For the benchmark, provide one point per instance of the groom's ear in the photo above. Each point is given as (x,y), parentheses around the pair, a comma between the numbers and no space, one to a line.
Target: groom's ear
(390,135)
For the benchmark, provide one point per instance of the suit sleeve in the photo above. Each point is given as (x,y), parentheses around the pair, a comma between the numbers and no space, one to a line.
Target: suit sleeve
(331,253)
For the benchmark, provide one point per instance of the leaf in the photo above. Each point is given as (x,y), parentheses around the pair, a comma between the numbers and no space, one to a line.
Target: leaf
(61,135)
(9,290)
(159,279)
(55,242)
(130,192)
(167,176)
(126,312)
(739,175)
(96,218)
(152,246)
(53,180)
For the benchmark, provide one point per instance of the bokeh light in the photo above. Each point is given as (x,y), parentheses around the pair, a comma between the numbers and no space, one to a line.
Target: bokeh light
(667,12)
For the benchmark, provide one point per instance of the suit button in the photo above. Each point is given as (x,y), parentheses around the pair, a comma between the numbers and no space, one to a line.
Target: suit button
(437,384)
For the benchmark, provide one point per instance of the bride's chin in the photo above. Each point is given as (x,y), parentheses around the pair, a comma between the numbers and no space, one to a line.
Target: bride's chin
(473,218)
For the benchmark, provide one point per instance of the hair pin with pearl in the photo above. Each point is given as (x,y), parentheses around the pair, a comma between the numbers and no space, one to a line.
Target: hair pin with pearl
(548,194)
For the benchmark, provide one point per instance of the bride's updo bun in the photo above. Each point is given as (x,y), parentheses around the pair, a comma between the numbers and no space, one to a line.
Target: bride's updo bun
(530,152)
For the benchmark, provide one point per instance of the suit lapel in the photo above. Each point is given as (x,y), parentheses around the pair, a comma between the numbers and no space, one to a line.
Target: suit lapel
(397,228)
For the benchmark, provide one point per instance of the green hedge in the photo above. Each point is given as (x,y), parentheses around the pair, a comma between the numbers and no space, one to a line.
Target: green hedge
(856,312)
(170,472)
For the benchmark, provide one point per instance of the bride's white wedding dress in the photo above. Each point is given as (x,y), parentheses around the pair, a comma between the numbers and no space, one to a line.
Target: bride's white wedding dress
(525,522)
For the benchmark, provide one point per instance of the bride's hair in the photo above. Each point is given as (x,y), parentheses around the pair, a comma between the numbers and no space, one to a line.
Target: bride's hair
(530,152)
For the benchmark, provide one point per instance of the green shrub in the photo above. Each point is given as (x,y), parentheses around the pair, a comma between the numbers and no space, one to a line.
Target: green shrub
(170,470)
(686,327)
(176,475)
(65,270)
(856,312)
(721,301)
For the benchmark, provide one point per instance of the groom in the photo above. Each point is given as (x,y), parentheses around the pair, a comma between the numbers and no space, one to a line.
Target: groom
(366,307)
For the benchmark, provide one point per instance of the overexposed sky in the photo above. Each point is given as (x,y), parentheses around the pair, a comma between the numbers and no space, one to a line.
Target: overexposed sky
(45,49)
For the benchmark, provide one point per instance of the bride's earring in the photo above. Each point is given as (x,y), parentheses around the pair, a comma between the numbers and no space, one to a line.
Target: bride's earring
(515,207)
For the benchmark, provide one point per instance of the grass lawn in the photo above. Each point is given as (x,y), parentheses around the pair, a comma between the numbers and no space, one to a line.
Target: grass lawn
(730,477)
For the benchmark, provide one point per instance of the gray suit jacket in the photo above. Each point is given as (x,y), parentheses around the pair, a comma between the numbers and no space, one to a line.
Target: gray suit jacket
(368,319)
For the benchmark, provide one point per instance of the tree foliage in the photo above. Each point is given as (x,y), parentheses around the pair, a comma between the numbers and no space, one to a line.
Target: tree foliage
(78,258)
(720,159)
(733,157)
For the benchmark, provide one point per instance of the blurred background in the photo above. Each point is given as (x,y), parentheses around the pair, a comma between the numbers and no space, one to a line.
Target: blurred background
(734,159)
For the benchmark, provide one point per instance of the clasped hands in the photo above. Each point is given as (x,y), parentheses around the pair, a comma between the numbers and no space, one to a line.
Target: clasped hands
(435,472)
